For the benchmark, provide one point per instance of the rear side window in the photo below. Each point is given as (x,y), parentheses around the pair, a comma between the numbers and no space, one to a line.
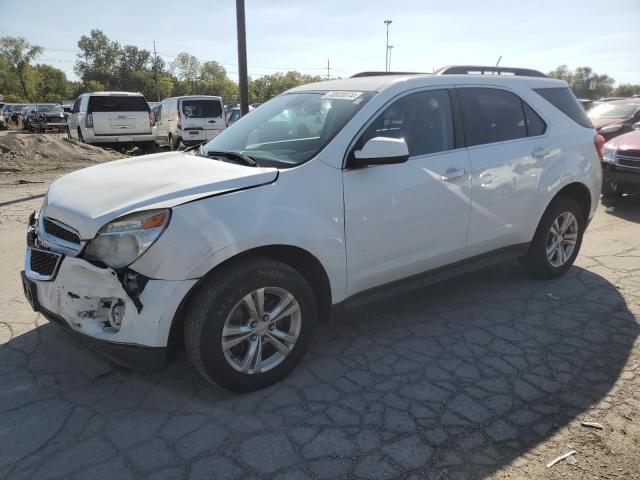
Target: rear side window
(117,104)
(201,108)
(491,115)
(423,119)
(535,125)
(564,100)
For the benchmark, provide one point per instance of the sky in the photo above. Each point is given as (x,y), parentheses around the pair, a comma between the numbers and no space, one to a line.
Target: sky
(303,34)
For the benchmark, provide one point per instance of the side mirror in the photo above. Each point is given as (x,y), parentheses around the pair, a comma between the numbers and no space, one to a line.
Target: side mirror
(636,126)
(381,151)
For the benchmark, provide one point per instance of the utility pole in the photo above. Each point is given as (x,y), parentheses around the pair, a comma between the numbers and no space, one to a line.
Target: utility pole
(386,50)
(328,70)
(390,47)
(242,58)
(155,56)
(498,62)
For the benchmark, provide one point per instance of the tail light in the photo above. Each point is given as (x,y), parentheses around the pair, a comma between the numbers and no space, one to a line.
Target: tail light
(152,119)
(178,120)
(599,142)
(88,121)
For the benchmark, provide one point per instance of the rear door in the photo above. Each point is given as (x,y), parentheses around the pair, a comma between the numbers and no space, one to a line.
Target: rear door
(119,114)
(509,150)
(202,118)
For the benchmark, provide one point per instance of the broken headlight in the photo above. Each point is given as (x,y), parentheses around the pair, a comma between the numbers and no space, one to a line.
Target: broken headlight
(120,242)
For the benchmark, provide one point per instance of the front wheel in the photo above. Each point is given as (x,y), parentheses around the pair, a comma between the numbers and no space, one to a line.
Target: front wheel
(557,240)
(249,324)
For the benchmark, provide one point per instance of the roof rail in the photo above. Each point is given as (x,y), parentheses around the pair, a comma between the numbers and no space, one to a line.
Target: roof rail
(380,74)
(487,70)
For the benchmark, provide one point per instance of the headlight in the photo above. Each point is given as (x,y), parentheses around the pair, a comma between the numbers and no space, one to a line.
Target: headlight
(609,155)
(121,242)
(611,128)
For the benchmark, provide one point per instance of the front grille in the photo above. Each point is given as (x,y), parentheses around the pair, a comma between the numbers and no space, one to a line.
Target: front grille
(44,263)
(629,154)
(58,231)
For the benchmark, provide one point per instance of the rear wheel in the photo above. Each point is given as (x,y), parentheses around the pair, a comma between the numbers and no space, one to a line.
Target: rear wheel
(173,143)
(80,137)
(557,240)
(250,323)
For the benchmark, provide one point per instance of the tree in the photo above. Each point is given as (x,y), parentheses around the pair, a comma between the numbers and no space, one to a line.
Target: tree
(268,86)
(626,90)
(51,84)
(584,82)
(186,67)
(99,59)
(18,54)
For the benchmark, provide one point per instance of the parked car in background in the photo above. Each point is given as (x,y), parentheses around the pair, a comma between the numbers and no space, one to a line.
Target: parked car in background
(621,165)
(586,103)
(3,123)
(233,113)
(44,115)
(112,119)
(11,112)
(615,117)
(49,117)
(189,120)
(23,116)
(333,192)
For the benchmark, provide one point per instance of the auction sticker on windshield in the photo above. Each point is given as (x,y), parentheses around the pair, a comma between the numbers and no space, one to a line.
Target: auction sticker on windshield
(341,95)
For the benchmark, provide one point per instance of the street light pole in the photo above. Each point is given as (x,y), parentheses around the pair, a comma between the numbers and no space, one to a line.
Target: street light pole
(386,51)
(390,47)
(243,82)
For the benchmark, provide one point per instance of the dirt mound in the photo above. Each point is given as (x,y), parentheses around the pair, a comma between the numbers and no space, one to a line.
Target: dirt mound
(48,154)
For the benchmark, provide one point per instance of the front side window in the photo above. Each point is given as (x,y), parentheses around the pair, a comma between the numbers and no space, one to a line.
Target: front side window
(491,115)
(422,119)
(290,129)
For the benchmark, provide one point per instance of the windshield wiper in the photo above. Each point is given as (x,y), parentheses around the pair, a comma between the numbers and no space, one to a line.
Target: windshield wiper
(237,156)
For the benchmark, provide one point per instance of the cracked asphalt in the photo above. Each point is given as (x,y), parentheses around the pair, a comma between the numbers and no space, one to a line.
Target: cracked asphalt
(485,376)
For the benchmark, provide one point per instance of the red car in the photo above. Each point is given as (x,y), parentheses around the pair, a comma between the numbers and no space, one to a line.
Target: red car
(621,165)
(616,117)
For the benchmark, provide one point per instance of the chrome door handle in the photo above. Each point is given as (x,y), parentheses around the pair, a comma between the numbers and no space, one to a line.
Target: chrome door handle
(452,174)
(540,152)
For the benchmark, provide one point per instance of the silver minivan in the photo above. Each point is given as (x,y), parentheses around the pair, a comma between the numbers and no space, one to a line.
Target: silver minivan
(189,120)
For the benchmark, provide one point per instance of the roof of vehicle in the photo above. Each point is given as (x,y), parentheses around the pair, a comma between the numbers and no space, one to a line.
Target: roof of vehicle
(626,101)
(213,97)
(378,83)
(109,94)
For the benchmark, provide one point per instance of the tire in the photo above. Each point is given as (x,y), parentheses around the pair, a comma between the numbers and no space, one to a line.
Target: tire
(173,145)
(537,261)
(80,137)
(68,130)
(211,308)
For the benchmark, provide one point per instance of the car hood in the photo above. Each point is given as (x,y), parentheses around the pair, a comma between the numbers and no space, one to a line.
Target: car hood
(603,122)
(626,141)
(89,198)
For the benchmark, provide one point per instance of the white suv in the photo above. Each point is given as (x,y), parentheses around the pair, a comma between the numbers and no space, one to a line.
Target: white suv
(332,193)
(112,119)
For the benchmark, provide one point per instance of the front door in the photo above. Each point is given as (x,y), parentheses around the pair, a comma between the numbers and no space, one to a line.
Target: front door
(408,218)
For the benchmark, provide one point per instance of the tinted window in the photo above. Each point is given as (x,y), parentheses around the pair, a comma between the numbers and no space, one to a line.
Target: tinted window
(535,125)
(423,119)
(491,115)
(564,100)
(117,104)
(201,108)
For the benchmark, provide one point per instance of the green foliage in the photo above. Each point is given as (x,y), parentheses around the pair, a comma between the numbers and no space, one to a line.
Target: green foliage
(584,82)
(17,54)
(268,86)
(626,90)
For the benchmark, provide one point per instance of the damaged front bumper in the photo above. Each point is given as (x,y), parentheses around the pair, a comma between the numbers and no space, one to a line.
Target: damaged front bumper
(130,326)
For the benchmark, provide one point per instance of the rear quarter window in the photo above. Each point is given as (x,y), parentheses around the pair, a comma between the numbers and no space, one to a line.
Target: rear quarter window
(117,104)
(564,100)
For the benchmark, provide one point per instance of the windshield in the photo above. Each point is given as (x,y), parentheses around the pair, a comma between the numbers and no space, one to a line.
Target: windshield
(290,129)
(202,108)
(50,108)
(613,110)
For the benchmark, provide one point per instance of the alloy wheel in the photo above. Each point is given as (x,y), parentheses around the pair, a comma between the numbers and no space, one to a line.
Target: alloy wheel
(261,330)
(562,238)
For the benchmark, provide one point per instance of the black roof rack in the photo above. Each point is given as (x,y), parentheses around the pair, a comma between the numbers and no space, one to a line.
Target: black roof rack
(487,70)
(380,74)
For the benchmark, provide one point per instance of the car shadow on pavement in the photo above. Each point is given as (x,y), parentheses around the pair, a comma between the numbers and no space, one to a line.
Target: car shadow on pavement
(460,378)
